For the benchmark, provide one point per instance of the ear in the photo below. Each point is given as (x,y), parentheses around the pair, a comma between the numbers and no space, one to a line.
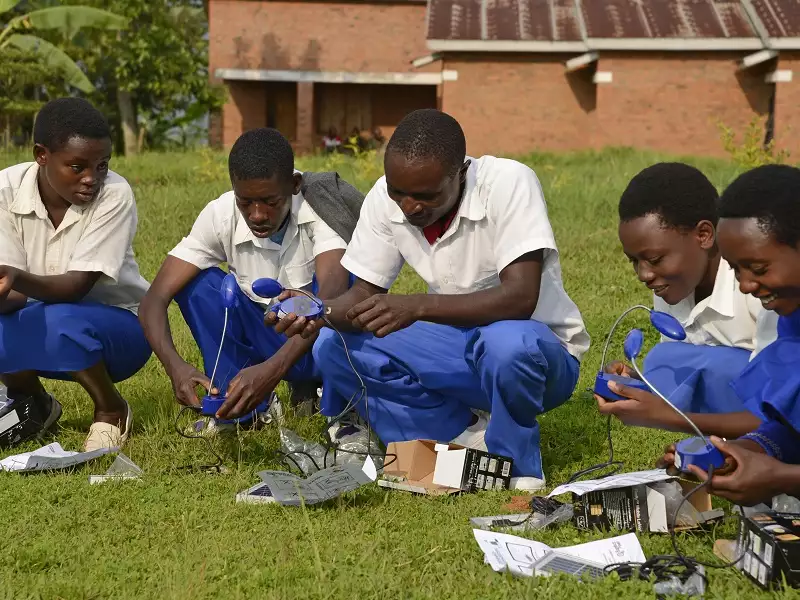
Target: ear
(298,182)
(40,154)
(706,234)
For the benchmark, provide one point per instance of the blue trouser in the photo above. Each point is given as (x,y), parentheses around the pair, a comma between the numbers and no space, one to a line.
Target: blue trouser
(57,339)
(697,378)
(422,382)
(248,341)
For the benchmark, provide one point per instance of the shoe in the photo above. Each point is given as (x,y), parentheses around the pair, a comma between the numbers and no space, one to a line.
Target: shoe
(349,424)
(474,435)
(527,484)
(51,412)
(106,435)
(304,398)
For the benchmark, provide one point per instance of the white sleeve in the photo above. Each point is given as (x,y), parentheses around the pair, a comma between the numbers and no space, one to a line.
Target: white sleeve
(107,238)
(324,238)
(766,331)
(204,247)
(372,254)
(12,252)
(517,208)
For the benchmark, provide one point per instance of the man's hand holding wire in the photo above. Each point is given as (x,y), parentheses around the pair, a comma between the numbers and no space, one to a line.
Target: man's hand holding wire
(642,409)
(292,325)
(751,476)
(185,381)
(248,389)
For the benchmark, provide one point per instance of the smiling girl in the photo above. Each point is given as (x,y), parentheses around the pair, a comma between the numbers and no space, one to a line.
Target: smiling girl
(69,283)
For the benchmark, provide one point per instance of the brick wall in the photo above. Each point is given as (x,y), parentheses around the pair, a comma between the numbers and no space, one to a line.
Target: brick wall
(512,104)
(315,36)
(674,101)
(787,106)
(670,102)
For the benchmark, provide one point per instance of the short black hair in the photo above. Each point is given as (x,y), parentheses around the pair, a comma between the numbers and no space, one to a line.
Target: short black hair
(261,154)
(771,195)
(430,133)
(62,119)
(678,193)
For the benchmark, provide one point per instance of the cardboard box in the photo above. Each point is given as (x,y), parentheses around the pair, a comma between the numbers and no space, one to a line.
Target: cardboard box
(638,508)
(428,467)
(771,544)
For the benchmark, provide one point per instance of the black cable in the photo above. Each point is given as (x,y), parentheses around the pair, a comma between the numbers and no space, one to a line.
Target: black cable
(215,467)
(674,521)
(614,465)
(662,567)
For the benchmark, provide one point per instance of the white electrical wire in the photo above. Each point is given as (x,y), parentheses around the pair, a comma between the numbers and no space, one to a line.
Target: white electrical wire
(219,352)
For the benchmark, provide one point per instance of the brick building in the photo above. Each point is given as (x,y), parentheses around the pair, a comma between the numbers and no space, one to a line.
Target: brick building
(519,75)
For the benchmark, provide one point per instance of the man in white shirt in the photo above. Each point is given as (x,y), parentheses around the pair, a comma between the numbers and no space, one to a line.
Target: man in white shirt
(264,227)
(496,334)
(69,282)
(668,218)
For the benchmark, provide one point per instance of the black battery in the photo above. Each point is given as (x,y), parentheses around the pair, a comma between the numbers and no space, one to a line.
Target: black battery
(770,544)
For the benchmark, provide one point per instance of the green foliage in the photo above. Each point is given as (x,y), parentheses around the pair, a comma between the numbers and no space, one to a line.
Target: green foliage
(751,152)
(161,60)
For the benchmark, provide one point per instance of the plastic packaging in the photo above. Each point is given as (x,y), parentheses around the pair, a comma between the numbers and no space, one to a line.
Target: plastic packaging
(525,521)
(785,503)
(688,516)
(311,457)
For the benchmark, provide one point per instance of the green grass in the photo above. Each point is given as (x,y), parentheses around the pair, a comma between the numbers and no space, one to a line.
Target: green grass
(180,535)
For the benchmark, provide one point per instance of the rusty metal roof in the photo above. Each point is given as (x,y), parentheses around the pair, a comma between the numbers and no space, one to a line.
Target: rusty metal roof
(520,20)
(684,19)
(781,18)
(604,24)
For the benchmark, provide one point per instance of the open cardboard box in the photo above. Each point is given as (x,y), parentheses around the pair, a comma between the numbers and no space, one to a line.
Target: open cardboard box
(640,508)
(433,468)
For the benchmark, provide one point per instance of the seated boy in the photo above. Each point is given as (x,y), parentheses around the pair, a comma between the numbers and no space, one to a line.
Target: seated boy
(69,283)
(668,219)
(759,235)
(497,333)
(264,227)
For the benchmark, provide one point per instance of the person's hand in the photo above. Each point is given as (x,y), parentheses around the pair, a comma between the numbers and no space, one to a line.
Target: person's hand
(7,277)
(292,325)
(185,380)
(643,409)
(620,368)
(248,389)
(751,477)
(383,314)
(667,460)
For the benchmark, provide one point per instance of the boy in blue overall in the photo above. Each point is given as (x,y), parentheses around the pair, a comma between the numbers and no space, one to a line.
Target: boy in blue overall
(264,227)
(495,343)
(668,219)
(69,283)
(759,235)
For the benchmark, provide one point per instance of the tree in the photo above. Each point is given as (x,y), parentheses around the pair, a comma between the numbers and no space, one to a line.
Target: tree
(154,75)
(68,20)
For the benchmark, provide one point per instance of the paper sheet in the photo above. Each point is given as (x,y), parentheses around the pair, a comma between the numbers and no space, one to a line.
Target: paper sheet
(288,488)
(518,555)
(49,457)
(615,481)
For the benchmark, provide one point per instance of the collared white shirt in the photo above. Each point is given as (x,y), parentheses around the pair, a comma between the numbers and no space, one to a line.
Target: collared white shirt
(502,216)
(221,235)
(96,237)
(726,318)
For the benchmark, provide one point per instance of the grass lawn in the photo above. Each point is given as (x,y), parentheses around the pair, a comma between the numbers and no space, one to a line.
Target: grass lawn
(181,535)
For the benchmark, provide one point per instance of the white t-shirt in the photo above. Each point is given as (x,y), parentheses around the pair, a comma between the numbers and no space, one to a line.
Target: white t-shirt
(726,318)
(221,235)
(502,216)
(96,237)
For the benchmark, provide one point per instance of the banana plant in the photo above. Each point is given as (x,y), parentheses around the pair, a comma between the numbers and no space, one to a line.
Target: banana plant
(69,20)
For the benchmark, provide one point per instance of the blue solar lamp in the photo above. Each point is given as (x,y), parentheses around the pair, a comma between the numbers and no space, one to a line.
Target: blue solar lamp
(211,403)
(692,451)
(306,305)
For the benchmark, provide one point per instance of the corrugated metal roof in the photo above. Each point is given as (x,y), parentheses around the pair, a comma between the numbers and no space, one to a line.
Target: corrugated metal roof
(534,20)
(547,25)
(686,19)
(781,18)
